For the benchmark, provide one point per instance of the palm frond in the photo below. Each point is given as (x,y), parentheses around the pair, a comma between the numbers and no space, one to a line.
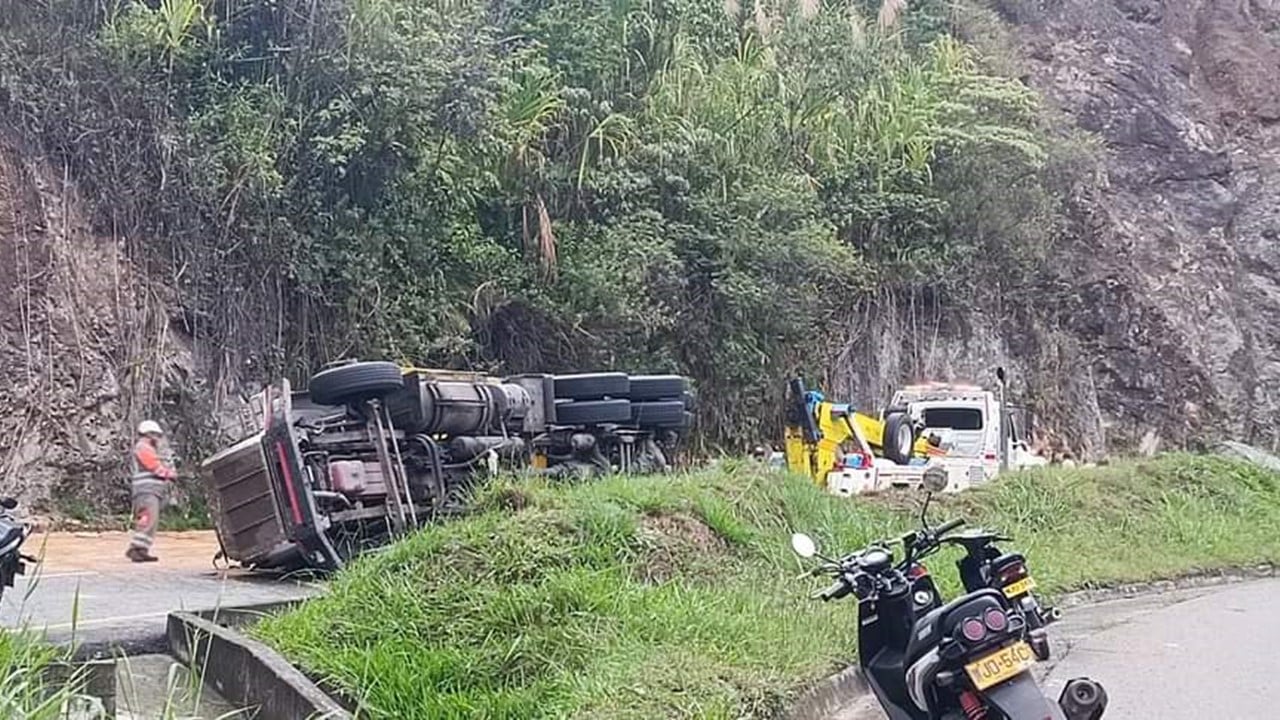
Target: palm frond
(891,12)
(857,27)
(546,238)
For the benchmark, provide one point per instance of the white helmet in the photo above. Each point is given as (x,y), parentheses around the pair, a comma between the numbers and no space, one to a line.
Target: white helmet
(149,427)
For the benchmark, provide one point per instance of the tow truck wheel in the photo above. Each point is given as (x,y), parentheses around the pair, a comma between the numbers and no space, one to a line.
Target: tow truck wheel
(354,382)
(899,438)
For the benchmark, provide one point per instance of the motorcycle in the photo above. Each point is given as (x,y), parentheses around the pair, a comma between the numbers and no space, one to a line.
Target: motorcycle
(986,566)
(12,534)
(965,660)
(982,566)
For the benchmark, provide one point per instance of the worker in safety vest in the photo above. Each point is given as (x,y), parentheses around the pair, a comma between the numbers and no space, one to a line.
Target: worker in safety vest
(149,485)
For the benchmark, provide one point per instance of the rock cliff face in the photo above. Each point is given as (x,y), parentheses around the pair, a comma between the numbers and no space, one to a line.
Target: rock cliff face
(85,347)
(1160,325)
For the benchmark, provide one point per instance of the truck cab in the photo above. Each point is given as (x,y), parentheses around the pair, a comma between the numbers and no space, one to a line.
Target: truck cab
(966,419)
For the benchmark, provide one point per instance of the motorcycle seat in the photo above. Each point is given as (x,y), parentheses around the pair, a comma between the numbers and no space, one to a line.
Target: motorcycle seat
(942,622)
(1008,559)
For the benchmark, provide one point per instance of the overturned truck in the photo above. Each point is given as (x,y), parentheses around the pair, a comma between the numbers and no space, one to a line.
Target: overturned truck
(372,450)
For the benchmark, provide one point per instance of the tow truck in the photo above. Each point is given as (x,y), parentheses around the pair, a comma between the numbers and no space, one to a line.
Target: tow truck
(956,427)
(844,450)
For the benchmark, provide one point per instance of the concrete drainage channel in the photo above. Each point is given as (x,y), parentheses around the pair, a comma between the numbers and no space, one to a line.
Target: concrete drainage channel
(218,671)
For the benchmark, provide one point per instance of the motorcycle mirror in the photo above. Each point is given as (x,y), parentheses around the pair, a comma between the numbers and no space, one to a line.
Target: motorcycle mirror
(8,503)
(935,479)
(803,545)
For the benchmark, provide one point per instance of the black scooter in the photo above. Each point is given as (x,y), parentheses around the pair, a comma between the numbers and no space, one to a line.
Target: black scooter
(12,534)
(966,660)
(982,566)
(985,566)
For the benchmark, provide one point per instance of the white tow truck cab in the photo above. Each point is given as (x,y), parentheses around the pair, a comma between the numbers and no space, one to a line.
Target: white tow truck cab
(971,423)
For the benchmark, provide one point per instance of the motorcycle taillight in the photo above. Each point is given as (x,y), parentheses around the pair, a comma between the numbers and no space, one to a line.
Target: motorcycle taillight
(1012,573)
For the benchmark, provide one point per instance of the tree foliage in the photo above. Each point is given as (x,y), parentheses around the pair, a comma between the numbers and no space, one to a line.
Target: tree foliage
(657,185)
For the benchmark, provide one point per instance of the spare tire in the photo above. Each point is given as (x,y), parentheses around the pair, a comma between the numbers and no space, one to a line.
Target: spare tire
(658,387)
(592,386)
(592,412)
(661,413)
(899,438)
(355,382)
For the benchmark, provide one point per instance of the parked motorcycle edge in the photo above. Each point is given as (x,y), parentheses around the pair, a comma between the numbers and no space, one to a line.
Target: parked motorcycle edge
(1022,699)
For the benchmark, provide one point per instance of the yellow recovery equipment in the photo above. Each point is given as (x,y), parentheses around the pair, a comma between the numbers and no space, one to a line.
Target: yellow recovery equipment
(818,431)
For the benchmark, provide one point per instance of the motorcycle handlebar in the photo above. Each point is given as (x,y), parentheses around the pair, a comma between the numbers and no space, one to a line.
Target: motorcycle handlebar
(837,589)
(948,526)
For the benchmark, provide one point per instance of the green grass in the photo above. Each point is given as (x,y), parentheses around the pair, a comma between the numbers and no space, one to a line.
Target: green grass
(190,514)
(24,690)
(678,597)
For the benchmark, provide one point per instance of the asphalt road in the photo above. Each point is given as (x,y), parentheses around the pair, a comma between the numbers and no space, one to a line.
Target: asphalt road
(86,591)
(1181,655)
(1210,653)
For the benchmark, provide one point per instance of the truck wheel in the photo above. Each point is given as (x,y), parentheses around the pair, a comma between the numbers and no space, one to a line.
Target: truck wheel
(592,412)
(592,386)
(690,400)
(899,438)
(657,387)
(661,413)
(354,382)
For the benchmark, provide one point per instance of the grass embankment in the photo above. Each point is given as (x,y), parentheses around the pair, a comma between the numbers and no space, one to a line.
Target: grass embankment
(662,597)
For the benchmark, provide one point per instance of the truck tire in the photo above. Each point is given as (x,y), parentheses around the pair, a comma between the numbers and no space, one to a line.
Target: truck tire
(659,413)
(592,386)
(657,387)
(899,438)
(354,382)
(592,412)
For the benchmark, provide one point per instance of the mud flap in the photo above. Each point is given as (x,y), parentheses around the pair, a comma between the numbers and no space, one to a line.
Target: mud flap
(1022,699)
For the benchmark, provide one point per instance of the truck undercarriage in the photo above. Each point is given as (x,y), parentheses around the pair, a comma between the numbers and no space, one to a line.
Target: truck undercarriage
(372,451)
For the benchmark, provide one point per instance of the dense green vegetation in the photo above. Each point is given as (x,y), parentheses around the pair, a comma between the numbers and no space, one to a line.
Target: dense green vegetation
(694,185)
(678,597)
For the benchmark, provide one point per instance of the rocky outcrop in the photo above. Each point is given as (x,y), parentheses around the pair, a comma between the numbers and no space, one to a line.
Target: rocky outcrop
(1157,325)
(85,347)
(1179,286)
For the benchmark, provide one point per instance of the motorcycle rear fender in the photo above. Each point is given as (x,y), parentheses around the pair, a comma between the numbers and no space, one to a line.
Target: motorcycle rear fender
(1021,699)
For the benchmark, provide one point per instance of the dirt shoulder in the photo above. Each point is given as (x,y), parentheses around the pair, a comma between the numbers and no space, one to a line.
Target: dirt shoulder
(64,552)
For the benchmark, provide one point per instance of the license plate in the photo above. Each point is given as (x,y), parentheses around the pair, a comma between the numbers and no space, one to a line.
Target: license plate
(1022,587)
(1000,665)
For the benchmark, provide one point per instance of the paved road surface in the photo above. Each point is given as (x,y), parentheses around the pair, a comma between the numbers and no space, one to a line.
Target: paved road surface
(86,585)
(1209,654)
(1181,655)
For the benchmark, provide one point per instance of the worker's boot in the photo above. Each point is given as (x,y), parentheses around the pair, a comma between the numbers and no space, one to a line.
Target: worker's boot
(140,555)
